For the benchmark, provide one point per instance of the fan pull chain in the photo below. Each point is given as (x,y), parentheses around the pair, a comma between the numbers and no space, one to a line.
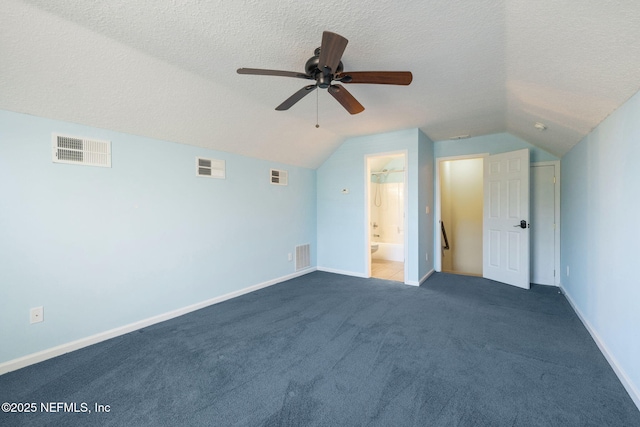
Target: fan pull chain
(317,96)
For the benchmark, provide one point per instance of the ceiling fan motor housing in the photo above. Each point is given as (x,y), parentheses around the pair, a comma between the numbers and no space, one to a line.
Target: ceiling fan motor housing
(322,76)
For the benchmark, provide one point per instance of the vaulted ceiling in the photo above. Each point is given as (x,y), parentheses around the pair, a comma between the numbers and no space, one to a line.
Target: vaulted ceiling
(167,69)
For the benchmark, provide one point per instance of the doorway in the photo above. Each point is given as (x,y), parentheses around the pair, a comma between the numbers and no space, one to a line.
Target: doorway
(544,227)
(461,196)
(386,191)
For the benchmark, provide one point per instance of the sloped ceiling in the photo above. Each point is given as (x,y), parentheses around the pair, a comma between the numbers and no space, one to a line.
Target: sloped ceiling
(167,69)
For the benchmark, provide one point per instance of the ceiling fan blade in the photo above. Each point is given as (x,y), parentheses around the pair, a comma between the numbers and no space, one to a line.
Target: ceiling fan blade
(331,50)
(261,72)
(346,99)
(289,102)
(377,77)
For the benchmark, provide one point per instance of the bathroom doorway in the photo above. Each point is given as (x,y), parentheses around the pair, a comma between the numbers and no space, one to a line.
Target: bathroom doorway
(386,190)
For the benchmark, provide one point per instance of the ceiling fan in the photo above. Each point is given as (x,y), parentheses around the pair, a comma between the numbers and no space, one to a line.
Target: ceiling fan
(325,67)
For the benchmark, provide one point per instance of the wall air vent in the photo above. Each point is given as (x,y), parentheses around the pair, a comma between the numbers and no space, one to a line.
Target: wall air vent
(279,177)
(210,168)
(81,151)
(303,257)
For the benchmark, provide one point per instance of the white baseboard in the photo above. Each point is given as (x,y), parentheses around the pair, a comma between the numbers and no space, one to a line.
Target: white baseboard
(631,388)
(364,276)
(421,281)
(59,350)
(343,272)
(426,276)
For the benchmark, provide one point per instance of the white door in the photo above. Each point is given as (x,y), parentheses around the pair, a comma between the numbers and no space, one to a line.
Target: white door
(505,234)
(543,221)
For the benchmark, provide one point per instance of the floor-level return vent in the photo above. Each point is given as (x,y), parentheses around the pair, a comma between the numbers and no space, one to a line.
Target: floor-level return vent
(303,257)
(81,151)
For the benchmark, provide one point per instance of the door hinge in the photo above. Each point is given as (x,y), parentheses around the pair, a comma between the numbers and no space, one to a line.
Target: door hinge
(554,273)
(554,179)
(554,226)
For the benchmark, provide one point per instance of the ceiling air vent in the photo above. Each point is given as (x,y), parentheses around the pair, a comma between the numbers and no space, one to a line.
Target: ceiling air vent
(210,168)
(279,177)
(81,151)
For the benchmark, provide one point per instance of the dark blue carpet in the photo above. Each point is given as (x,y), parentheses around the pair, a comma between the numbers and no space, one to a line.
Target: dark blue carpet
(331,350)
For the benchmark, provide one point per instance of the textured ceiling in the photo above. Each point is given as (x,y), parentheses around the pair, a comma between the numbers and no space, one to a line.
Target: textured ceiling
(167,69)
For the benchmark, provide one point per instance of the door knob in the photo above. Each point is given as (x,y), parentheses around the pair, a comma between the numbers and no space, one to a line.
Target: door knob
(523,224)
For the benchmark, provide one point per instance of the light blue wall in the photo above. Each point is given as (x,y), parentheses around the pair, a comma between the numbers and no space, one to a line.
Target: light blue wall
(491,144)
(600,237)
(101,248)
(427,227)
(341,217)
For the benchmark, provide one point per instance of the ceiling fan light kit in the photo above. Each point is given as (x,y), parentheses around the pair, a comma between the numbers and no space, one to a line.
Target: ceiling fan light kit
(325,67)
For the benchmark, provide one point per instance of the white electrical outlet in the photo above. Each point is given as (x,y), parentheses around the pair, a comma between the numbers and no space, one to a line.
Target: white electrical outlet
(36,314)
(427,256)
(290,257)
(567,271)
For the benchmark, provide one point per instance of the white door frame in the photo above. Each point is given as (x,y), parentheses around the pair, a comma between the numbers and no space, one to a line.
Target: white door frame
(437,251)
(367,210)
(556,165)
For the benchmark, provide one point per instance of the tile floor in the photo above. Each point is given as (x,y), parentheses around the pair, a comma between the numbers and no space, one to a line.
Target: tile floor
(389,270)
